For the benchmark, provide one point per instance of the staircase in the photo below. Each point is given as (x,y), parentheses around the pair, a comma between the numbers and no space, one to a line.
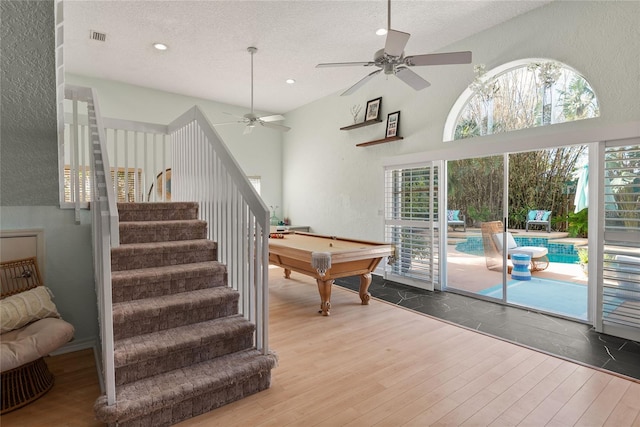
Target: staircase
(181,348)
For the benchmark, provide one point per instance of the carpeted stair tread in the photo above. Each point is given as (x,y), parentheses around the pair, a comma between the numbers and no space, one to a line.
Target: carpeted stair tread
(130,311)
(144,255)
(154,247)
(158,231)
(158,223)
(155,353)
(219,378)
(158,211)
(165,280)
(163,343)
(143,276)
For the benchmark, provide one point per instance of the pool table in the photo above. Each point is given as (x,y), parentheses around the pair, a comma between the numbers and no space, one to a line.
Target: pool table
(327,258)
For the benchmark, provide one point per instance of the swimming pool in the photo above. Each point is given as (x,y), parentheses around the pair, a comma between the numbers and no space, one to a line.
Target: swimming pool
(558,252)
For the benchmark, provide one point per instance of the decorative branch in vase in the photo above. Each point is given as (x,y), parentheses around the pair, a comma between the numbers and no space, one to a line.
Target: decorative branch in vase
(355,110)
(274,219)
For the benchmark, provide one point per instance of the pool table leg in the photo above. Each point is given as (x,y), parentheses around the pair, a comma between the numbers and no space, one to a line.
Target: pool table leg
(324,287)
(287,273)
(365,281)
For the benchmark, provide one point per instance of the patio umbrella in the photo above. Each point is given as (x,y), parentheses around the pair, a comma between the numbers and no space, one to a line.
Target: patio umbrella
(582,190)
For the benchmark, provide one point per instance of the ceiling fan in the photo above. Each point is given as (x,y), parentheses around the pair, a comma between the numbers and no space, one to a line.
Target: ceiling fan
(251,119)
(391,60)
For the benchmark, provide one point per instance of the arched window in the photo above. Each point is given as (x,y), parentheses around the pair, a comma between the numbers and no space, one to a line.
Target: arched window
(520,95)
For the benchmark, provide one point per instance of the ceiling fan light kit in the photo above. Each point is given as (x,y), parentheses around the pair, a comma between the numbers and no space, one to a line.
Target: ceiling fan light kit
(251,119)
(392,61)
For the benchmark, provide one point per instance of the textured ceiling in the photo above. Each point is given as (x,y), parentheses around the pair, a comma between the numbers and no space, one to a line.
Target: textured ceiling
(207,40)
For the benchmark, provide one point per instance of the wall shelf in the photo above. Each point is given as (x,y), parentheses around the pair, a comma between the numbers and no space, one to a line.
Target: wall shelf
(379,141)
(361,124)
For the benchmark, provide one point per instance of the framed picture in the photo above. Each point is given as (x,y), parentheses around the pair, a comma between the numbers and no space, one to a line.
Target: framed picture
(393,123)
(373,109)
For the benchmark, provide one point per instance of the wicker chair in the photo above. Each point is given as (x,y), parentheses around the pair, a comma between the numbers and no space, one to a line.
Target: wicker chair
(493,253)
(25,375)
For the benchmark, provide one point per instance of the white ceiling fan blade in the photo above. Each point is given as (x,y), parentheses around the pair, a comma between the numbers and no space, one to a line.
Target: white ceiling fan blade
(275,126)
(396,41)
(233,115)
(411,78)
(439,59)
(345,64)
(227,123)
(274,118)
(360,83)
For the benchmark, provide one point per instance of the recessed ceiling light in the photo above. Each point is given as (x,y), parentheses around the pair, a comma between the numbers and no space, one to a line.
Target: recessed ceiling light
(381,31)
(290,81)
(160,46)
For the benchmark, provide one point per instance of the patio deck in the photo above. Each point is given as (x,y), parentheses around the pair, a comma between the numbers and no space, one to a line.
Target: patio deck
(461,264)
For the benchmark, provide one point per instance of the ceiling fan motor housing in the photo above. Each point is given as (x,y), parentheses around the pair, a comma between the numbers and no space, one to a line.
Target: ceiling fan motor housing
(387,62)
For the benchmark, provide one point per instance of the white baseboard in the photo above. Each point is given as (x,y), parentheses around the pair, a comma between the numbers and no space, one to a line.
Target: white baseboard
(75,345)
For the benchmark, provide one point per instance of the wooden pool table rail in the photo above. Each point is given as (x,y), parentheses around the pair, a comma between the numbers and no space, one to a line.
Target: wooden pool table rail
(348,258)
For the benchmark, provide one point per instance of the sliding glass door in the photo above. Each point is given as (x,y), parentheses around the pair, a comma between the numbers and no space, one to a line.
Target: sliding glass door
(525,229)
(475,195)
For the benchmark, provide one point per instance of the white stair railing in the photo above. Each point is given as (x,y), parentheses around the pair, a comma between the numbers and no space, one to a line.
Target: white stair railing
(139,154)
(104,226)
(205,171)
(202,170)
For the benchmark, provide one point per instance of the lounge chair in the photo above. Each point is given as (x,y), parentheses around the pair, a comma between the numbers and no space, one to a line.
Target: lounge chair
(492,240)
(539,217)
(456,219)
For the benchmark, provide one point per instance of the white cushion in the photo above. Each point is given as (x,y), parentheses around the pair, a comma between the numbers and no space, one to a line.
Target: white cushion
(26,307)
(32,342)
(533,251)
(511,242)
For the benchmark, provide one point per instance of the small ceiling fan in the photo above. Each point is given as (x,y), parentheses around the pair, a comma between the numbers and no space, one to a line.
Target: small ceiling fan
(251,119)
(391,60)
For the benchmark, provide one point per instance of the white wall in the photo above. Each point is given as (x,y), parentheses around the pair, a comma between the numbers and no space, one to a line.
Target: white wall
(337,188)
(259,153)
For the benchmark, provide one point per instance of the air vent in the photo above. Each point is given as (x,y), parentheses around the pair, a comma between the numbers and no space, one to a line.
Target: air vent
(95,35)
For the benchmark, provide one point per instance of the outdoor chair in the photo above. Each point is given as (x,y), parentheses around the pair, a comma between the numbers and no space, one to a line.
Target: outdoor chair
(492,241)
(456,219)
(539,217)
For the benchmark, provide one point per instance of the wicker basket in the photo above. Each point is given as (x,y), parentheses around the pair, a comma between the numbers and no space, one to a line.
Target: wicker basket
(26,383)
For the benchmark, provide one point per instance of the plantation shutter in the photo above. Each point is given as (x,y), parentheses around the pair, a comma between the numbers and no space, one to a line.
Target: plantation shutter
(128,188)
(411,224)
(621,250)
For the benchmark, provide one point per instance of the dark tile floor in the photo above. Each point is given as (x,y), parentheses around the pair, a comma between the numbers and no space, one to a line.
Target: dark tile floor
(560,337)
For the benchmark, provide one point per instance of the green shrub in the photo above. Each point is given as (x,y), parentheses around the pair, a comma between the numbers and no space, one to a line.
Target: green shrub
(578,223)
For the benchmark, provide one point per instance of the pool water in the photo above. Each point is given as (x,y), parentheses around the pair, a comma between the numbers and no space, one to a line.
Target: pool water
(558,252)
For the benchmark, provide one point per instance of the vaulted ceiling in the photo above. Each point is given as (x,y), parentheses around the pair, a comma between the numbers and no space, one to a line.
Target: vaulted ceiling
(208,40)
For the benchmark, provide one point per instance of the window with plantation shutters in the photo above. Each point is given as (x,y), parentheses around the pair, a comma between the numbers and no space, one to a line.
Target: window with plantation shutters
(411,218)
(128,184)
(621,253)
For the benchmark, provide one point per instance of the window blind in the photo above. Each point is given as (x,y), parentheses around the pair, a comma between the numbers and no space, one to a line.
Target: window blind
(621,253)
(411,217)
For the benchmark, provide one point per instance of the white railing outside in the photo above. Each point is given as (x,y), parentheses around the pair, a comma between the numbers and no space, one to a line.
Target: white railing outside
(105,232)
(205,171)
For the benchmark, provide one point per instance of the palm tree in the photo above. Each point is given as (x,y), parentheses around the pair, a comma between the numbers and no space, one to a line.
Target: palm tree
(579,102)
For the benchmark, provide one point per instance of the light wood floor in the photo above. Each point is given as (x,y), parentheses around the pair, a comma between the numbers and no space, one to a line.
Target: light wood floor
(379,365)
